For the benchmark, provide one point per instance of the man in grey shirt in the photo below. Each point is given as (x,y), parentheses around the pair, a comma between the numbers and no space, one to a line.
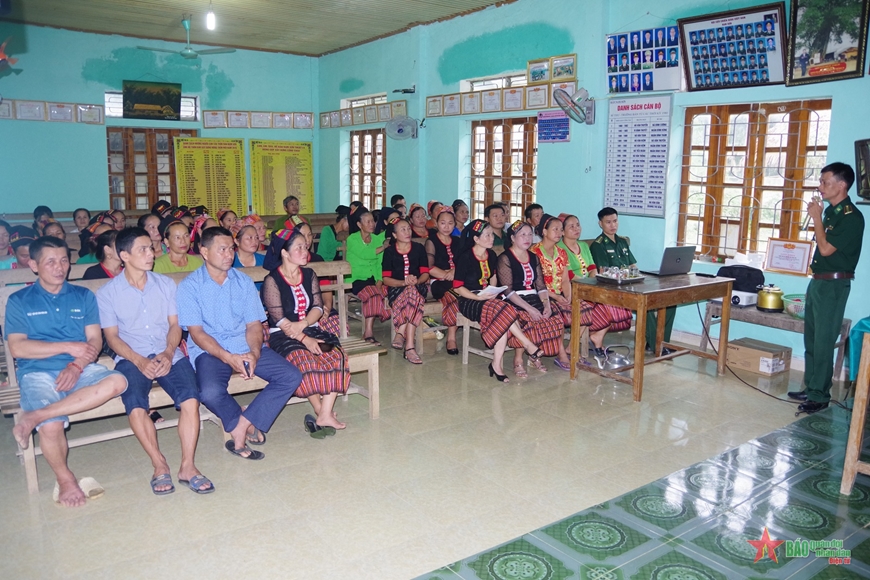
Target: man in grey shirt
(140,322)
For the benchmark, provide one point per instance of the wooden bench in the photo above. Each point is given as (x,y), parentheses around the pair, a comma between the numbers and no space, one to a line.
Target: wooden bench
(362,357)
(26,275)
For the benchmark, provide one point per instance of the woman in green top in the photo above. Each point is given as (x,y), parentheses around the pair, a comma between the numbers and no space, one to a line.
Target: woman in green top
(602,318)
(177,238)
(328,245)
(364,252)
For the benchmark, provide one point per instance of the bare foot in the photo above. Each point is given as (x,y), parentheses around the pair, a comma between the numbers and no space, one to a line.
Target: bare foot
(71,495)
(330,421)
(22,431)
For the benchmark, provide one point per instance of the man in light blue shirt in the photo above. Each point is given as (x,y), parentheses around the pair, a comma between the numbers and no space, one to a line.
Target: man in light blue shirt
(53,330)
(140,322)
(221,309)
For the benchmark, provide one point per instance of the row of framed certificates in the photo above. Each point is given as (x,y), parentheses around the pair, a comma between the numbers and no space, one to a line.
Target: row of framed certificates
(497,100)
(256,120)
(54,112)
(363,115)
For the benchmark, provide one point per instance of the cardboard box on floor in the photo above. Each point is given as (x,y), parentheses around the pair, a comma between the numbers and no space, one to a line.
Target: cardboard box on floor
(758,357)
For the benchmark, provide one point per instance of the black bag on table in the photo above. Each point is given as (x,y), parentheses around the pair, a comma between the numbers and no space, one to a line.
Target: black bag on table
(746,278)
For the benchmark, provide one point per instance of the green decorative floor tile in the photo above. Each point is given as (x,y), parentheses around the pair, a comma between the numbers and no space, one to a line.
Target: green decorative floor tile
(761,462)
(518,560)
(600,572)
(666,509)
(861,552)
(825,426)
(592,534)
(449,572)
(676,566)
(716,483)
(827,488)
(805,520)
(797,444)
(731,543)
(830,573)
(859,519)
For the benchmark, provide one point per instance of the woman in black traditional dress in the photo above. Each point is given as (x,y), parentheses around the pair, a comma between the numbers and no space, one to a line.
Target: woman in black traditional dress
(406,276)
(442,247)
(291,295)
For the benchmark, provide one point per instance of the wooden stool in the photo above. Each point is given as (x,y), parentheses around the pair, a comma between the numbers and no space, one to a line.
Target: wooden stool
(853,465)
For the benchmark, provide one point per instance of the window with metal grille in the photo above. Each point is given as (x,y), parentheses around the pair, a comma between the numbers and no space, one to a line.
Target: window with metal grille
(363,101)
(748,172)
(115,106)
(491,83)
(368,167)
(504,164)
(141,166)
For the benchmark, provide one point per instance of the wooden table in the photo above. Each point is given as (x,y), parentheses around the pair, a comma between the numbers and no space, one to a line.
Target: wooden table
(779,320)
(654,293)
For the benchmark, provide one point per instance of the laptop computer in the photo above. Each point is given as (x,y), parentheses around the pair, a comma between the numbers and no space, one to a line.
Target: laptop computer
(676,260)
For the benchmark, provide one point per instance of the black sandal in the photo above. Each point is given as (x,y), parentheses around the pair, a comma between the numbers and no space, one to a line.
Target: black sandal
(371,340)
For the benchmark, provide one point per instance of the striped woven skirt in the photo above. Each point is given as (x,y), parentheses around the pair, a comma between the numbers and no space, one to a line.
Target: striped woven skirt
(547,333)
(495,317)
(565,313)
(372,300)
(322,374)
(449,309)
(330,324)
(406,302)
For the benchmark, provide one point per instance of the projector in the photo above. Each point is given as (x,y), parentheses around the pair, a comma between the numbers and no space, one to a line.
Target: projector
(741,299)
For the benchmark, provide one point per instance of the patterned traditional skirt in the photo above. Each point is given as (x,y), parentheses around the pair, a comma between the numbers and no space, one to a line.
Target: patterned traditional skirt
(607,316)
(495,317)
(546,333)
(449,309)
(372,301)
(322,374)
(565,313)
(406,302)
(330,324)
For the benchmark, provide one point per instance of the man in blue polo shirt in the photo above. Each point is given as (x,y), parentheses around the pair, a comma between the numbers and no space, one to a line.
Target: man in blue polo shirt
(53,330)
(221,309)
(140,322)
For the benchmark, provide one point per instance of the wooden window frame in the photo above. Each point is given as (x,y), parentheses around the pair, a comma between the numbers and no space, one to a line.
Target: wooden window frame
(377,196)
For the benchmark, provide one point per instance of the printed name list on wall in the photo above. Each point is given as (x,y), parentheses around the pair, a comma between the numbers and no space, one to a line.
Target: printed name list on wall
(211,172)
(638,131)
(279,169)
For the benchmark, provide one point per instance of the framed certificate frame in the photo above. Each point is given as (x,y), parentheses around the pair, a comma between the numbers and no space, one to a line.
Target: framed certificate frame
(433,106)
(452,105)
(537,97)
(359,115)
(512,99)
(563,68)
(490,101)
(538,71)
(214,119)
(30,110)
(335,119)
(789,256)
(260,120)
(569,88)
(6,110)
(470,103)
(61,112)
(399,108)
(238,119)
(346,117)
(385,112)
(303,120)
(90,114)
(324,120)
(371,114)
(282,120)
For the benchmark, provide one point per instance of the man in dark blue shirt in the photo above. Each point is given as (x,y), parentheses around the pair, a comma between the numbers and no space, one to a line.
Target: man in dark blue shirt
(53,330)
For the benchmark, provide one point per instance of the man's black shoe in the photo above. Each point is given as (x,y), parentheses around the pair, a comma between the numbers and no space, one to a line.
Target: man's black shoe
(797,395)
(810,407)
(665,350)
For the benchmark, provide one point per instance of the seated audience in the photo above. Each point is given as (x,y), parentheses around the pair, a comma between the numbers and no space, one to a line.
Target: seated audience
(200,223)
(533,214)
(434,208)
(20,238)
(291,294)
(417,219)
(247,244)
(520,271)
(81,217)
(442,248)
(53,331)
(364,253)
(291,207)
(227,218)
(328,247)
(397,199)
(496,216)
(140,322)
(177,240)
(110,264)
(102,222)
(54,229)
(461,213)
(162,209)
(151,223)
(7,254)
(42,215)
(475,271)
(603,318)
(120,219)
(329,321)
(610,250)
(220,308)
(259,226)
(554,266)
(405,274)
(382,222)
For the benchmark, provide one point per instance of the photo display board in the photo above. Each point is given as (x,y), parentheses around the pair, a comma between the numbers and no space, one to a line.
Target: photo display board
(638,132)
(644,60)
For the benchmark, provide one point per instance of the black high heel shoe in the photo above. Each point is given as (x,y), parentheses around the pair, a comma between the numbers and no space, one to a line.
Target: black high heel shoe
(499,378)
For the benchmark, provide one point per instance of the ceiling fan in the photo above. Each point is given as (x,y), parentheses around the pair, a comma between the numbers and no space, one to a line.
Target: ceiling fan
(187,51)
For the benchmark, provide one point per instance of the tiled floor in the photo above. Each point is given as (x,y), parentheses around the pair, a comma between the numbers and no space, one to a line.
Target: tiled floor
(456,464)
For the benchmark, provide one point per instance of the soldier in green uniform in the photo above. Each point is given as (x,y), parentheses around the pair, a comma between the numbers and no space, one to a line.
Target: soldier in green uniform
(839,233)
(609,250)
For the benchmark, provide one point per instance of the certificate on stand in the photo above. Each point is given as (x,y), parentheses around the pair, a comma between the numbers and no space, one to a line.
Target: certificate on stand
(346,117)
(399,108)
(261,120)
(470,103)
(324,120)
(30,110)
(359,115)
(385,112)
(789,256)
(537,97)
(371,114)
(92,114)
(335,119)
(433,106)
(303,120)
(214,119)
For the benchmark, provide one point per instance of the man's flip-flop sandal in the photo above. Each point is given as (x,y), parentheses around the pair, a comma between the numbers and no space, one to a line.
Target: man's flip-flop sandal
(195,482)
(155,417)
(253,455)
(256,437)
(316,430)
(162,479)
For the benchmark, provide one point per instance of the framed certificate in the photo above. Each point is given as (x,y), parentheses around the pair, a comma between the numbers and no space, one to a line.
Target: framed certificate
(452,104)
(261,120)
(371,114)
(359,115)
(399,108)
(30,110)
(282,120)
(335,119)
(385,112)
(303,120)
(789,256)
(563,68)
(6,110)
(91,114)
(433,106)
(569,88)
(61,112)
(512,99)
(238,119)
(491,101)
(324,120)
(470,103)
(346,117)
(538,71)
(214,119)
(537,97)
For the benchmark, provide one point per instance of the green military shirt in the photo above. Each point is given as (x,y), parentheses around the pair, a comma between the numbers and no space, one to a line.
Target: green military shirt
(844,229)
(607,253)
